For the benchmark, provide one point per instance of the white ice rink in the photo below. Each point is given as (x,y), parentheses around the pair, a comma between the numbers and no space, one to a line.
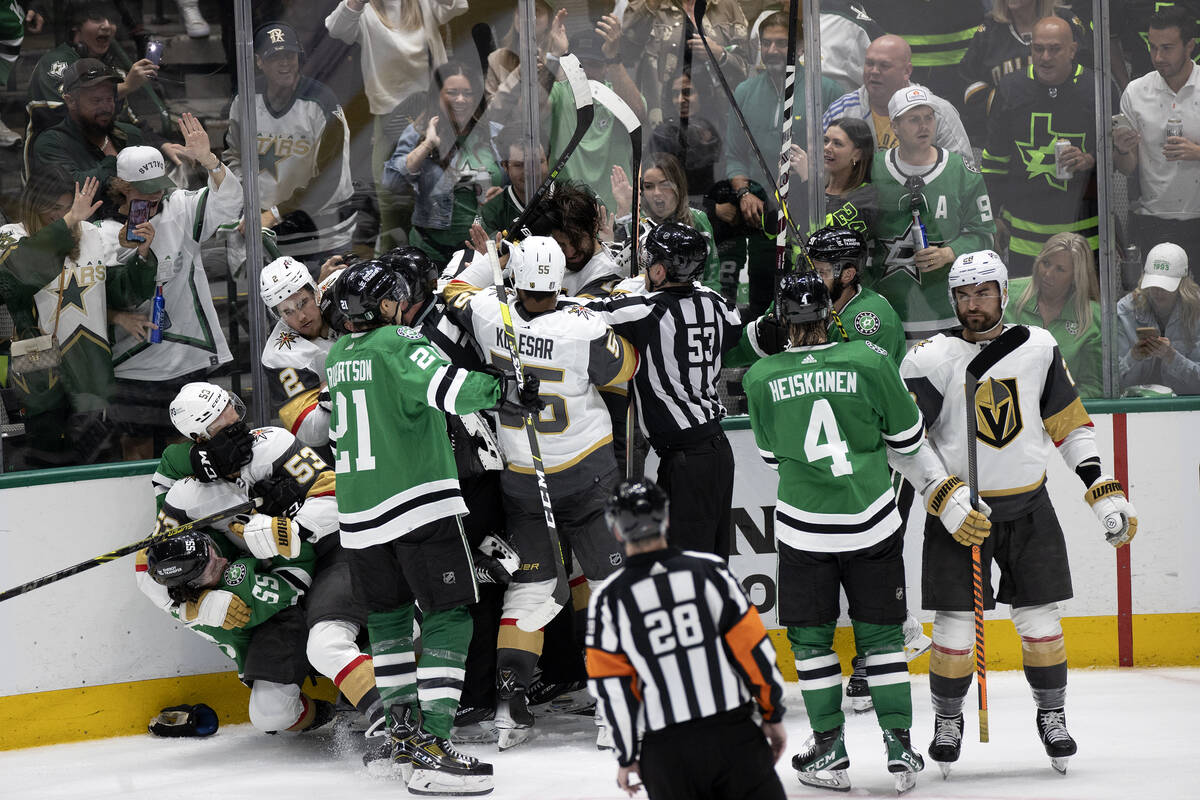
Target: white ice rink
(1136,728)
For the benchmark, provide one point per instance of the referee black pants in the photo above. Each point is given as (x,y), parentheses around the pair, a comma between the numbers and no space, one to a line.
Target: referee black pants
(722,757)
(698,480)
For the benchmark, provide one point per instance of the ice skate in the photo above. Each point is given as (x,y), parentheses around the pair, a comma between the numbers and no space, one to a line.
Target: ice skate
(857,690)
(439,769)
(560,698)
(1052,727)
(391,746)
(824,761)
(604,734)
(947,741)
(903,762)
(916,643)
(474,725)
(514,722)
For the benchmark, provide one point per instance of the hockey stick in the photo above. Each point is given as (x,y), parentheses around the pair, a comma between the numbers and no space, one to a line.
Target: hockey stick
(1001,346)
(624,114)
(562,589)
(54,577)
(785,151)
(584,111)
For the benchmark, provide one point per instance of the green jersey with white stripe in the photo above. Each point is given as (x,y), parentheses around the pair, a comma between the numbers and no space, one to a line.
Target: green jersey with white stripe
(824,417)
(390,391)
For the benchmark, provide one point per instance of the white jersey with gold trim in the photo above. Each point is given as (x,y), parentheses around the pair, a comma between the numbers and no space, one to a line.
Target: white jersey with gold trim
(1025,406)
(295,374)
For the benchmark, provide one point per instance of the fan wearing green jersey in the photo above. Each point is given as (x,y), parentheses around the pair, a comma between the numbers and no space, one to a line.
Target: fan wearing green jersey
(399,504)
(825,417)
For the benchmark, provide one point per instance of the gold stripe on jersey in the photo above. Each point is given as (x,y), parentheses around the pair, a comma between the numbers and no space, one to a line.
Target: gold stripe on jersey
(1013,492)
(629,360)
(453,291)
(566,464)
(1060,425)
(621,391)
(324,484)
(292,411)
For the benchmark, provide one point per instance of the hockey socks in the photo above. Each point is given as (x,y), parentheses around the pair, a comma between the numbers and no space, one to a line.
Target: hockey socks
(357,683)
(882,647)
(393,659)
(820,674)
(445,637)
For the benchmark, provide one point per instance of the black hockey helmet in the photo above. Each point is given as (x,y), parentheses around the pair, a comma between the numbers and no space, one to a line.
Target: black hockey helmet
(415,269)
(179,560)
(637,510)
(803,298)
(681,249)
(840,247)
(363,287)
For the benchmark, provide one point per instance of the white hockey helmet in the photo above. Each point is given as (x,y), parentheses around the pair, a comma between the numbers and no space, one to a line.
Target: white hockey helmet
(282,278)
(972,269)
(538,264)
(198,405)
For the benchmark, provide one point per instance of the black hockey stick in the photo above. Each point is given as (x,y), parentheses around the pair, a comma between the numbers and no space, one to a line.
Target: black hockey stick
(1001,346)
(562,589)
(584,112)
(785,151)
(485,43)
(241,508)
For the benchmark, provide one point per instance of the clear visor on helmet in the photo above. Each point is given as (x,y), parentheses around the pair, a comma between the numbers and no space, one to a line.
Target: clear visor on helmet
(234,411)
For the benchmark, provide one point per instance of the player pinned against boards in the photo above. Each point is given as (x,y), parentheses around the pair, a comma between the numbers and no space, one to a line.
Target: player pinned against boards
(1158,325)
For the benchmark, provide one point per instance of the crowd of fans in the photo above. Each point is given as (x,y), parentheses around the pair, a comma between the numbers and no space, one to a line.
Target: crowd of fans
(969,125)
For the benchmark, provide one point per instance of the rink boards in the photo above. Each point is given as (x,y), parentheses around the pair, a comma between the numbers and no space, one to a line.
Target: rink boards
(90,657)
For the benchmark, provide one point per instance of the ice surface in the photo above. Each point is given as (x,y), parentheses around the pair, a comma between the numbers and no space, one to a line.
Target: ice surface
(1136,730)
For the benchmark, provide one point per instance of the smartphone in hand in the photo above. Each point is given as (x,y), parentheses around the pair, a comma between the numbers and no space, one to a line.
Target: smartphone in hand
(139,212)
(154,51)
(1147,333)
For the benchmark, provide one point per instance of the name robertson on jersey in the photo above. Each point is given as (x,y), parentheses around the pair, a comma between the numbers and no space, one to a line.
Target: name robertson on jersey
(530,346)
(802,383)
(358,371)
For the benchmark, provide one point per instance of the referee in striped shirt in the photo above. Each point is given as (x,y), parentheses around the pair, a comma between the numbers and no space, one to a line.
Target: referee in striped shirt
(674,644)
(681,329)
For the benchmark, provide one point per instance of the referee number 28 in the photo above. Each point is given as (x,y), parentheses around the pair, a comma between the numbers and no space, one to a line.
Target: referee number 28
(823,426)
(681,627)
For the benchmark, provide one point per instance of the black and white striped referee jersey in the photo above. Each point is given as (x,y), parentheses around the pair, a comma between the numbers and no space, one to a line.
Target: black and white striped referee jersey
(681,332)
(671,637)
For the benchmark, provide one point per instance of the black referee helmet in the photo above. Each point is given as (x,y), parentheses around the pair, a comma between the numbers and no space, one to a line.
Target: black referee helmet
(681,249)
(414,268)
(179,560)
(637,510)
(363,287)
(803,298)
(840,247)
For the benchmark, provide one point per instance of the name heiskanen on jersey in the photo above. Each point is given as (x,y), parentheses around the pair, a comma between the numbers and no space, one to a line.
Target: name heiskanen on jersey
(803,383)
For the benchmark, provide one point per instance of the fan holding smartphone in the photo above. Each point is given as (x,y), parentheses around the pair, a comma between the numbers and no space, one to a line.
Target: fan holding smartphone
(1159,325)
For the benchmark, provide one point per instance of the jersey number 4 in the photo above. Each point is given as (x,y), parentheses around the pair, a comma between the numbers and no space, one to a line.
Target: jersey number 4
(822,425)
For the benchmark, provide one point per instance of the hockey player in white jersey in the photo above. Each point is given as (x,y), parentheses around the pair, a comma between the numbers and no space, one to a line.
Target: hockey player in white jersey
(294,355)
(296,522)
(573,353)
(1025,405)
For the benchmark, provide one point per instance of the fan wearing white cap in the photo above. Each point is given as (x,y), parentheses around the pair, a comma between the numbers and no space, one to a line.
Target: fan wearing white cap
(193,339)
(1026,405)
(294,355)
(1158,325)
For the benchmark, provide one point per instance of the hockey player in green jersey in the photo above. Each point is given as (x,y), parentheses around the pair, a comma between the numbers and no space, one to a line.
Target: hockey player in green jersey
(932,207)
(826,417)
(399,504)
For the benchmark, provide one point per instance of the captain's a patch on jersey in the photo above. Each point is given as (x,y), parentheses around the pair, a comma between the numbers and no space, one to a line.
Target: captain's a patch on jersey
(867,323)
(405,332)
(235,573)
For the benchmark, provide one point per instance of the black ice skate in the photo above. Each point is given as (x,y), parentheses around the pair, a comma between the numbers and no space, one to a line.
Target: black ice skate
(439,769)
(1052,727)
(392,748)
(857,690)
(903,762)
(824,762)
(514,721)
(947,741)
(474,725)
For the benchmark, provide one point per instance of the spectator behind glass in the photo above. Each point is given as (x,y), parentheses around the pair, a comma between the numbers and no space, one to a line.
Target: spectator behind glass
(850,199)
(660,42)
(401,40)
(93,35)
(149,375)
(1158,326)
(447,159)
(502,210)
(1168,169)
(1063,297)
(664,199)
(502,84)
(689,136)
(60,279)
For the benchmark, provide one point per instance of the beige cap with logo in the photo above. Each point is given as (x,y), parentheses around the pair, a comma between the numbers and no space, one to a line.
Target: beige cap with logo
(1166,266)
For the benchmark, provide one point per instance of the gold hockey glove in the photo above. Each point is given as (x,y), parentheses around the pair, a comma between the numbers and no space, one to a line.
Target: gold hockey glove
(950,500)
(216,608)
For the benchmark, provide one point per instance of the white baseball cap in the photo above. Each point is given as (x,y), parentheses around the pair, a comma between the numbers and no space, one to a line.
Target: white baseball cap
(143,166)
(907,98)
(1166,266)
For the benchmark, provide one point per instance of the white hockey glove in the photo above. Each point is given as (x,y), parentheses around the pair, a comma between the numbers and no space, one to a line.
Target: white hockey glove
(950,500)
(497,562)
(216,608)
(1113,509)
(267,537)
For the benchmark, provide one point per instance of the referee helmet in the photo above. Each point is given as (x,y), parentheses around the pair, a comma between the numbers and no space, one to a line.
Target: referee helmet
(681,249)
(363,287)
(637,510)
(414,268)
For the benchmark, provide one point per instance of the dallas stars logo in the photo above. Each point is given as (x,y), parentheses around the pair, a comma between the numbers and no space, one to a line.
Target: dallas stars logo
(269,161)
(286,339)
(866,323)
(72,294)
(57,69)
(1038,153)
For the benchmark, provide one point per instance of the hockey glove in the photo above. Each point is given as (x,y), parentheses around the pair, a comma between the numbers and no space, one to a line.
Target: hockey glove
(216,608)
(225,454)
(185,720)
(770,334)
(1115,512)
(496,561)
(520,399)
(267,537)
(324,400)
(950,500)
(282,495)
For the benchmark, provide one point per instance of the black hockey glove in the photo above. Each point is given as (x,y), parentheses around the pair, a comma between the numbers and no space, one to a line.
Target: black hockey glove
(224,454)
(282,495)
(197,720)
(519,399)
(770,334)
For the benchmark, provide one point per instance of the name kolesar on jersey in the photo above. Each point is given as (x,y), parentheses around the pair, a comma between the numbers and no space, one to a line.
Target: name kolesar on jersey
(356,371)
(529,346)
(802,383)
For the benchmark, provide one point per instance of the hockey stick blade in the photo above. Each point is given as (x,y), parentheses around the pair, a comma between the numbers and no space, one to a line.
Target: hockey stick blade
(195,524)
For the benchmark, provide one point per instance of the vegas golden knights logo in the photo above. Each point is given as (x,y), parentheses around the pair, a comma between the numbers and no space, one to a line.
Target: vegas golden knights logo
(998,412)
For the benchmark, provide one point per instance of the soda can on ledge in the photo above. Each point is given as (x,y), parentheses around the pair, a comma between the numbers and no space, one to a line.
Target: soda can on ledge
(1060,170)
